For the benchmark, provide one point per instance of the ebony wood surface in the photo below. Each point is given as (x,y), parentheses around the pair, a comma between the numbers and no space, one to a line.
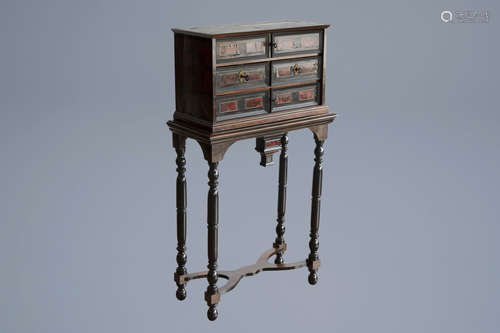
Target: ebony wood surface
(267,146)
(211,295)
(228,30)
(278,86)
(248,122)
(283,173)
(214,146)
(323,71)
(235,276)
(181,216)
(313,259)
(196,68)
(212,67)
(194,86)
(252,61)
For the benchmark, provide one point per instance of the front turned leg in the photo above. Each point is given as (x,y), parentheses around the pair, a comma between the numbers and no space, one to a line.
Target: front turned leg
(313,259)
(280,228)
(212,293)
(181,220)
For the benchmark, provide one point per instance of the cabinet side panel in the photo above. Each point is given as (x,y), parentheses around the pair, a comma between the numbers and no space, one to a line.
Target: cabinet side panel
(193,76)
(323,69)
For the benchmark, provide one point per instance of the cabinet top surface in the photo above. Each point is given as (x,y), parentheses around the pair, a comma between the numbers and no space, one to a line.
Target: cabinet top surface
(238,29)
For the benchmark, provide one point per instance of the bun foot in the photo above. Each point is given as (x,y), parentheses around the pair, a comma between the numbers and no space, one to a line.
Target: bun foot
(313,278)
(181,293)
(212,313)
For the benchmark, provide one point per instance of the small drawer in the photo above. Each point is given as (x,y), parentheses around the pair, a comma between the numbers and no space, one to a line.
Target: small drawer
(290,98)
(241,48)
(295,70)
(235,106)
(296,43)
(241,77)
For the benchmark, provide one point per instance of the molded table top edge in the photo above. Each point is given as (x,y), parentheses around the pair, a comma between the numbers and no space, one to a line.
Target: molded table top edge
(253,131)
(228,30)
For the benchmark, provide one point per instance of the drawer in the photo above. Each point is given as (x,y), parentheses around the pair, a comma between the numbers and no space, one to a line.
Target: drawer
(235,106)
(241,77)
(296,43)
(295,70)
(241,48)
(290,98)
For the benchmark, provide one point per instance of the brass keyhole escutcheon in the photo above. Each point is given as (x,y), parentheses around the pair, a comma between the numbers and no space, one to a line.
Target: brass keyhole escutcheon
(243,77)
(296,69)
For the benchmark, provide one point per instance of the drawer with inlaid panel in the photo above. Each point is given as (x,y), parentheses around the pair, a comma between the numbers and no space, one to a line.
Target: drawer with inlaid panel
(241,77)
(296,70)
(295,97)
(232,49)
(296,43)
(242,105)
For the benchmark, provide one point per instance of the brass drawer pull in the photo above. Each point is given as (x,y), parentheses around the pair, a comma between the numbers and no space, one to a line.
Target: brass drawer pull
(243,77)
(296,69)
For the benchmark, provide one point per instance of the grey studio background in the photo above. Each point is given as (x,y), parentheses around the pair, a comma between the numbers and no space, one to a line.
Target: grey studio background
(410,215)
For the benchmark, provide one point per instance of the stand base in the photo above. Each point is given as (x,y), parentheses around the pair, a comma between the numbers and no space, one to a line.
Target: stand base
(235,276)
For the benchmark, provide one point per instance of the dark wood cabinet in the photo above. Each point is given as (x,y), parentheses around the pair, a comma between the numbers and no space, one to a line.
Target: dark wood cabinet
(235,82)
(263,71)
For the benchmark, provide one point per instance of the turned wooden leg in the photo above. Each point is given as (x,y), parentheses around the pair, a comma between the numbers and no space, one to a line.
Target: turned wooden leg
(212,293)
(181,217)
(313,259)
(280,228)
